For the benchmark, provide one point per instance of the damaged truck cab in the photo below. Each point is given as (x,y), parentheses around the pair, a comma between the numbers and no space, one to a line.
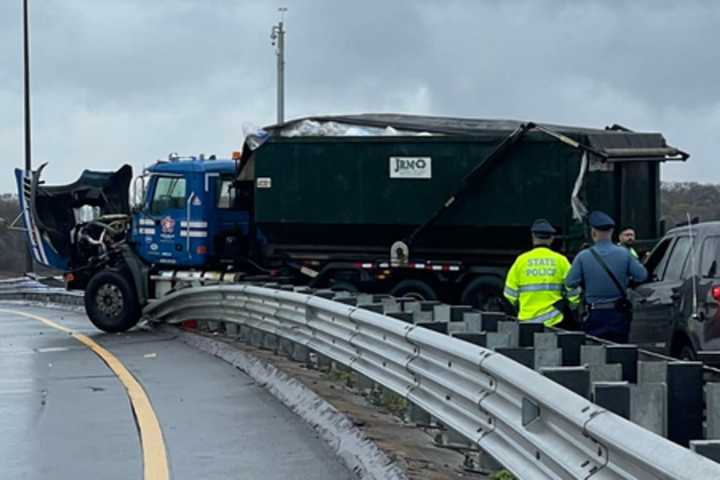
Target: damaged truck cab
(189,217)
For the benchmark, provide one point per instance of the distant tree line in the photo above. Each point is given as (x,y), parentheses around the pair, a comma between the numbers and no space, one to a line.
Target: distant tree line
(699,200)
(12,244)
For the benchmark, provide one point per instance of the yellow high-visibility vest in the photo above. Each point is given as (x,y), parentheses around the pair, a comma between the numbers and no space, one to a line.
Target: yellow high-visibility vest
(536,281)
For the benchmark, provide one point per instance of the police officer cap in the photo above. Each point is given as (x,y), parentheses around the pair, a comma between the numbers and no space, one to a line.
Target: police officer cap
(542,228)
(601,221)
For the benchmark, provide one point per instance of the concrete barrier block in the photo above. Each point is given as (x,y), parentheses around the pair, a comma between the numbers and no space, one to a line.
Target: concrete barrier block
(712,409)
(441,313)
(545,340)
(592,355)
(547,357)
(605,373)
(473,322)
(422,316)
(648,407)
(456,327)
(652,372)
(498,340)
(512,329)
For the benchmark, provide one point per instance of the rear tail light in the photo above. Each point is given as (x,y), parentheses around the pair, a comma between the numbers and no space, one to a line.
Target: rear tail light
(716,292)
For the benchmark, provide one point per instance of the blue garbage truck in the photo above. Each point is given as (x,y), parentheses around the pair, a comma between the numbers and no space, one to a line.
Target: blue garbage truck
(423,207)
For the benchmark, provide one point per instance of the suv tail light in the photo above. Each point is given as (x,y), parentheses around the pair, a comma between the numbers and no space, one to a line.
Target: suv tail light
(716,292)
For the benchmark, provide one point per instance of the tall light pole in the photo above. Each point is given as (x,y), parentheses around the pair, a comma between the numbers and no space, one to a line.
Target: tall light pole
(28,150)
(278,41)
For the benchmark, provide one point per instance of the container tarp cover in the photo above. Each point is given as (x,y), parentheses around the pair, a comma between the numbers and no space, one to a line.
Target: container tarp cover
(482,127)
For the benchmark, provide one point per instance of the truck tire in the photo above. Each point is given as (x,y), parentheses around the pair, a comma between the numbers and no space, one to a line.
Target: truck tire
(111,302)
(485,294)
(416,289)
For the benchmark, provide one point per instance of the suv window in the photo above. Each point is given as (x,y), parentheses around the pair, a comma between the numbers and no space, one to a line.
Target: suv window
(677,260)
(655,263)
(709,255)
(169,194)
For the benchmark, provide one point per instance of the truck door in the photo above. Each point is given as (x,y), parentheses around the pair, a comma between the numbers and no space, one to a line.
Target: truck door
(659,302)
(158,226)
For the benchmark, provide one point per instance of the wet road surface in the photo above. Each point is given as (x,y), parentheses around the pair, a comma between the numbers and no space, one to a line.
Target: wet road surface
(64,414)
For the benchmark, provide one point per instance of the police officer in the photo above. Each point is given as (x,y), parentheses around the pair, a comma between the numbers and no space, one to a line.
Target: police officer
(536,281)
(603,271)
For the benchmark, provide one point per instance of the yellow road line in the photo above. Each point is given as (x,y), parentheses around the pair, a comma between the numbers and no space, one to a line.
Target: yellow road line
(151,439)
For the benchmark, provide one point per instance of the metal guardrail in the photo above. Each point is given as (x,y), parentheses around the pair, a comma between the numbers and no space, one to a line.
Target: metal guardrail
(533,426)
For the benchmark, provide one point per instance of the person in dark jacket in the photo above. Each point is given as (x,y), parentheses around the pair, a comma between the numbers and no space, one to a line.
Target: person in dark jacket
(603,271)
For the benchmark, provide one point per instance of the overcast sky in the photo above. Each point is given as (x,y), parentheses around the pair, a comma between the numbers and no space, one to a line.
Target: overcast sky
(118,81)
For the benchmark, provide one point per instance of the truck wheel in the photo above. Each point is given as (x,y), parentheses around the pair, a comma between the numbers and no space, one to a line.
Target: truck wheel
(485,294)
(415,289)
(111,303)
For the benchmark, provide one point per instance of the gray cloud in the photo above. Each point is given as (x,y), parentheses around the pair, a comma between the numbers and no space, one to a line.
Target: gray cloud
(130,81)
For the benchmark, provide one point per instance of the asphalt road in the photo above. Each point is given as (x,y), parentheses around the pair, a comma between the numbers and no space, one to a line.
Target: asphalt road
(65,414)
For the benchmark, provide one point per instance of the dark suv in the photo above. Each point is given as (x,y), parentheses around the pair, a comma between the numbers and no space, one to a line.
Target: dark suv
(675,311)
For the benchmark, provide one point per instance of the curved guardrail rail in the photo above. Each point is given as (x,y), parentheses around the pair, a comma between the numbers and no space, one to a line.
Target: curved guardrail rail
(533,426)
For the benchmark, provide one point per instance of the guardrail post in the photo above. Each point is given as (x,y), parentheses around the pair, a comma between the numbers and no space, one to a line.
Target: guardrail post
(526,333)
(685,401)
(269,342)
(625,355)
(417,416)
(256,337)
(570,343)
(707,448)
(576,379)
(490,320)
(300,353)
(614,396)
(524,356)
(232,329)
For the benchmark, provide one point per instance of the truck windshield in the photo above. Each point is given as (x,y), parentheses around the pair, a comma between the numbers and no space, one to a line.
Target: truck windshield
(169,194)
